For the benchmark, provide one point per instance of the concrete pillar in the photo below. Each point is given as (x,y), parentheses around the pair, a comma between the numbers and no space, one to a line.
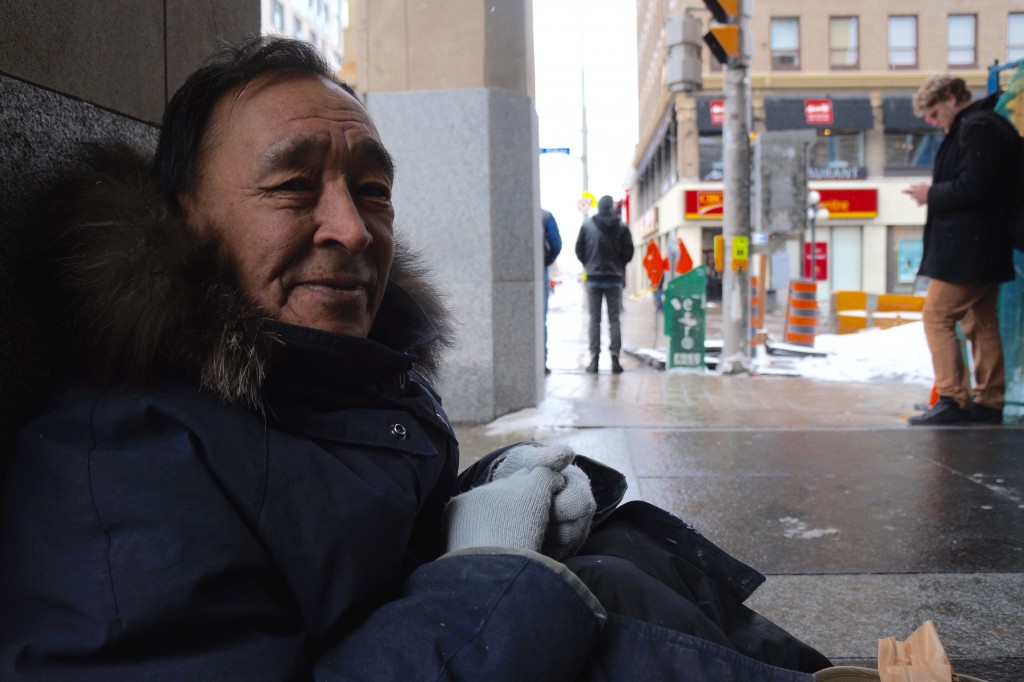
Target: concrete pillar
(72,72)
(450,86)
(874,139)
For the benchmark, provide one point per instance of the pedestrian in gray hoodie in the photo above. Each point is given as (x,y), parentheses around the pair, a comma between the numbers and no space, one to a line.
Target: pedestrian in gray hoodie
(604,246)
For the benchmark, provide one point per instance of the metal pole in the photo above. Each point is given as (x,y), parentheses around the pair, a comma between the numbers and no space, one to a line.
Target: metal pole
(814,244)
(583,100)
(736,221)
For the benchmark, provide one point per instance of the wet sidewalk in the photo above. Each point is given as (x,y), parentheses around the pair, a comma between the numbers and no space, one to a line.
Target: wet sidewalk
(864,525)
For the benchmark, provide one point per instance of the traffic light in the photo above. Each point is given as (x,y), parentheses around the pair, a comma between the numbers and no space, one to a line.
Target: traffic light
(724,41)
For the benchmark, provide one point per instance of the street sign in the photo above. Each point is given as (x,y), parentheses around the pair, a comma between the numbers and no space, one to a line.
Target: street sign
(554,150)
(820,261)
(685,320)
(654,263)
(740,253)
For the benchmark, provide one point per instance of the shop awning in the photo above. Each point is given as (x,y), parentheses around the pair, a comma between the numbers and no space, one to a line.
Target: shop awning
(898,114)
(797,113)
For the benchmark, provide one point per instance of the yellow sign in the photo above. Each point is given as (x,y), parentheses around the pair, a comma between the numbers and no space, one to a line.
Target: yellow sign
(740,253)
(590,198)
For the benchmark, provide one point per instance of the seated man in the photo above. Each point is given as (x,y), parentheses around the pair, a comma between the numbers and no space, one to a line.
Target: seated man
(244,472)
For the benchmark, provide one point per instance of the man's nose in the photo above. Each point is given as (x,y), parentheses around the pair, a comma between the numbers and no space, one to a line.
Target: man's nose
(338,220)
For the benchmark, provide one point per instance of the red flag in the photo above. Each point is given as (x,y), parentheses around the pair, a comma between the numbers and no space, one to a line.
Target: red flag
(685,263)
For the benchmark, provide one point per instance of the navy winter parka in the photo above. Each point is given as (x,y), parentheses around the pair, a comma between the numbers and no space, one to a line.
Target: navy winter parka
(257,501)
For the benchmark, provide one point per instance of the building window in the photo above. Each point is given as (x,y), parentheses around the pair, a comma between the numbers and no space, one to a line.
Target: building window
(785,42)
(297,28)
(1015,37)
(842,35)
(960,40)
(905,250)
(910,152)
(277,16)
(902,42)
(712,165)
(837,155)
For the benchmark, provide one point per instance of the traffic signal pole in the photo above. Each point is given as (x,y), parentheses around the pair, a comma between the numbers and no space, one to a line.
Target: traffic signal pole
(736,229)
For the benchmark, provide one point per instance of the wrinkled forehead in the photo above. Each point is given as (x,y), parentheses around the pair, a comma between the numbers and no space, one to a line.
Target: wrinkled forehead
(268,102)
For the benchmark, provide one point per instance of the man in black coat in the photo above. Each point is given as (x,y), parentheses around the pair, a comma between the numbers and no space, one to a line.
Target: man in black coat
(967,250)
(604,246)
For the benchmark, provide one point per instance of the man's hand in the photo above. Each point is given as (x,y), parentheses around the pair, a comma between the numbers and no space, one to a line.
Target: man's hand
(919,192)
(536,500)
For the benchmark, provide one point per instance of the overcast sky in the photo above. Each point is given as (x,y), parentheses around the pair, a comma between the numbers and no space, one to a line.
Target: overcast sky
(600,35)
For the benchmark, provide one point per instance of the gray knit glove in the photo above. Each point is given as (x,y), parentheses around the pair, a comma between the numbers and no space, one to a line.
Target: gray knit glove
(536,500)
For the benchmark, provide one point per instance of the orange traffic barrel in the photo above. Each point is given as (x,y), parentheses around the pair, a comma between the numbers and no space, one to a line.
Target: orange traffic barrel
(801,312)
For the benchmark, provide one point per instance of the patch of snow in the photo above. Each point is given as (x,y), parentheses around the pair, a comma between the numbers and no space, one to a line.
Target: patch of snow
(895,354)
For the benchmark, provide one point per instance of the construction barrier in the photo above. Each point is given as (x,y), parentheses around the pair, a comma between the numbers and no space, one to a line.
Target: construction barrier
(801,312)
(853,311)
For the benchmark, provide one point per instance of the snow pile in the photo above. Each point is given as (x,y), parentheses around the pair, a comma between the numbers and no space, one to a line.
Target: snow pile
(895,354)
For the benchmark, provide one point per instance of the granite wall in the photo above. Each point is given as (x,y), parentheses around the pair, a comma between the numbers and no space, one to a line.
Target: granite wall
(73,72)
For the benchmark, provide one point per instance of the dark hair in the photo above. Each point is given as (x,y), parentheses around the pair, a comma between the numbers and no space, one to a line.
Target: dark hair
(230,67)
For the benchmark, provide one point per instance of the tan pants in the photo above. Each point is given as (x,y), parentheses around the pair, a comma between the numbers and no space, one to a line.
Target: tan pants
(975,307)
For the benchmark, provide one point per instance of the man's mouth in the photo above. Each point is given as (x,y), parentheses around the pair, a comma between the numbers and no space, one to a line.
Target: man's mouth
(330,287)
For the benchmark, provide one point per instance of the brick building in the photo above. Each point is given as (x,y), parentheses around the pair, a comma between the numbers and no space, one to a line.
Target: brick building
(847,72)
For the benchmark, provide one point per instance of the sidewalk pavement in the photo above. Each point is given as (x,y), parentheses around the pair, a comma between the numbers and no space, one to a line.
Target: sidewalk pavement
(865,526)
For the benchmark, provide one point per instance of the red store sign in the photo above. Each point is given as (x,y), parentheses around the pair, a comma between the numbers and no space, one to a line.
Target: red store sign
(717,110)
(820,261)
(818,111)
(842,204)
(704,204)
(850,203)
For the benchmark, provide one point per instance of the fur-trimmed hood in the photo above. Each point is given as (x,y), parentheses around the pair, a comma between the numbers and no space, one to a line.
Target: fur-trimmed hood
(141,293)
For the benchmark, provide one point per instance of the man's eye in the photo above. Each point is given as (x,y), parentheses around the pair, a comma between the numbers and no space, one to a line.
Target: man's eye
(375,190)
(295,185)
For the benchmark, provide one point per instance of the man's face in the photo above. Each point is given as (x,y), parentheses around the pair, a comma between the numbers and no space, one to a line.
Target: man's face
(295,182)
(941,114)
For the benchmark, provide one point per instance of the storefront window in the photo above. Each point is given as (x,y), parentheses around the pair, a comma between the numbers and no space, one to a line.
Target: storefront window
(910,153)
(904,258)
(837,155)
(712,166)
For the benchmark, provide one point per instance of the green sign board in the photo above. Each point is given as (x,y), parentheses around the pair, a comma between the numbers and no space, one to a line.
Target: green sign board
(685,318)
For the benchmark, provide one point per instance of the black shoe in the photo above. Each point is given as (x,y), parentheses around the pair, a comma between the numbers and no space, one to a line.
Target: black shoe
(592,367)
(944,412)
(979,414)
(616,367)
